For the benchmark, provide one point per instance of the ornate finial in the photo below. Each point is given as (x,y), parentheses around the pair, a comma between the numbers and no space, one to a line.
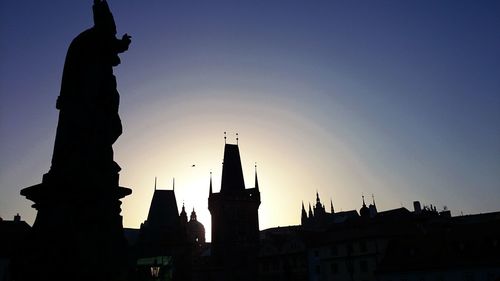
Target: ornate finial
(373,199)
(237,138)
(331,206)
(173,185)
(155,183)
(363,196)
(225,137)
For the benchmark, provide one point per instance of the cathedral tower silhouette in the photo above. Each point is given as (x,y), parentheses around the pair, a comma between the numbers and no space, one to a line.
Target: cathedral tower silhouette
(235,221)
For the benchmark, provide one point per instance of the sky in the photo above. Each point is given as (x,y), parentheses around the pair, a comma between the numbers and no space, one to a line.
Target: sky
(400,99)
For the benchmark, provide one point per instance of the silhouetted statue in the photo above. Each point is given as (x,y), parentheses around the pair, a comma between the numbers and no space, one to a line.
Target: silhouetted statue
(78,231)
(88,121)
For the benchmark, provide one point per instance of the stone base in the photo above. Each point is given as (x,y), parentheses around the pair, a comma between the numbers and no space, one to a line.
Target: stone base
(77,234)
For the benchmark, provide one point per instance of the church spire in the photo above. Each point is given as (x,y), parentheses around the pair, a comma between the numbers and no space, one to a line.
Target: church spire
(310,211)
(193,216)
(373,207)
(183,215)
(364,211)
(303,216)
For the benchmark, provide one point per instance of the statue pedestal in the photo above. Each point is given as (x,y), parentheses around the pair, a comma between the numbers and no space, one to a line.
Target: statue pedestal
(77,234)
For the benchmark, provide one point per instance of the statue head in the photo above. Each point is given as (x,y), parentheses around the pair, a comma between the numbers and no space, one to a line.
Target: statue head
(103,18)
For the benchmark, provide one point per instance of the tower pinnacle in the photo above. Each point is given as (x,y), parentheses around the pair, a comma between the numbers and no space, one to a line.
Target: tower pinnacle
(256,180)
(210,192)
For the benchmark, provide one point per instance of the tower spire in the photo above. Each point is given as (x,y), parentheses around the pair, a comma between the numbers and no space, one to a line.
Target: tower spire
(331,206)
(210,192)
(362,196)
(303,216)
(373,199)
(183,214)
(155,183)
(173,185)
(256,180)
(310,211)
(193,215)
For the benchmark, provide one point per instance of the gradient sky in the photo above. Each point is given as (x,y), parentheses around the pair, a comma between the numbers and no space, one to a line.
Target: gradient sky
(396,98)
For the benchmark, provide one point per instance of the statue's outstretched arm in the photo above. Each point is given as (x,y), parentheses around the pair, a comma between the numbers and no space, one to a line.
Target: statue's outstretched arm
(122,44)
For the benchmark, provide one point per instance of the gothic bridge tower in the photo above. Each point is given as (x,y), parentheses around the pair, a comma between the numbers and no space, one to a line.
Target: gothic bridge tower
(235,221)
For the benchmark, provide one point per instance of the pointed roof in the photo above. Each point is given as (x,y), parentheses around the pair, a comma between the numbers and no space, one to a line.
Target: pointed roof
(331,206)
(183,215)
(256,180)
(304,214)
(183,212)
(163,210)
(310,211)
(232,173)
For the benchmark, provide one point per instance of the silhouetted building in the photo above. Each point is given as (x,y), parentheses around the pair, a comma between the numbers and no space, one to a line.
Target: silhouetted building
(283,254)
(396,244)
(320,218)
(235,222)
(446,249)
(162,249)
(12,235)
